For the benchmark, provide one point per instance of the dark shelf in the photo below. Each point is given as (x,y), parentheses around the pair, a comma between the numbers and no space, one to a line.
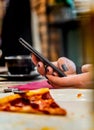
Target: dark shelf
(55,5)
(65,24)
(63,4)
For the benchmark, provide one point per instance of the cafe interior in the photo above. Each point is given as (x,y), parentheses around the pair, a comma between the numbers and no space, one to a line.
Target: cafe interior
(55,29)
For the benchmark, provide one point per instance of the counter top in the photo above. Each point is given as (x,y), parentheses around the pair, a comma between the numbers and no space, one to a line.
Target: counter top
(79,114)
(79,111)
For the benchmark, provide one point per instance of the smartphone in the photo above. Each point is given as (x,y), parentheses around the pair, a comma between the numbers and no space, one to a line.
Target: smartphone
(41,58)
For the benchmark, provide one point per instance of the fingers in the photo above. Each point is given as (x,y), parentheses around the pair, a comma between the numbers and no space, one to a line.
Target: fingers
(66,65)
(42,69)
(34,59)
(58,82)
(87,68)
(77,81)
(63,63)
(40,65)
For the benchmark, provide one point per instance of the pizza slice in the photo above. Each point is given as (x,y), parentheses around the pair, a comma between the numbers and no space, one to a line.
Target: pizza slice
(37,101)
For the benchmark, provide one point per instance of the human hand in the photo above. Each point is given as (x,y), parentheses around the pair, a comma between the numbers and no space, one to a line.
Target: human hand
(66,65)
(83,80)
(74,80)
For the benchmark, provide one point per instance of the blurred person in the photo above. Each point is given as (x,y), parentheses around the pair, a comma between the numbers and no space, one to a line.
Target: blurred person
(84,78)
(16,23)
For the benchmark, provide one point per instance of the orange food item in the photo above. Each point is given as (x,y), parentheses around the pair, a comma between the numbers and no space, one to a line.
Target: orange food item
(79,95)
(37,101)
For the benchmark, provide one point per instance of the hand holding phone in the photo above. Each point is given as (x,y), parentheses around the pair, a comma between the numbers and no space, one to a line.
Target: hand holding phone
(41,58)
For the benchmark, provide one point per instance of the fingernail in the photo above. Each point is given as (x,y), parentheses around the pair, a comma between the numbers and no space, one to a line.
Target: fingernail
(64,67)
(38,65)
(48,82)
(47,70)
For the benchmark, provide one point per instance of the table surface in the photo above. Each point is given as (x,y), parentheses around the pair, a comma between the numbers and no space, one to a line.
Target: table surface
(6,83)
(79,111)
(79,114)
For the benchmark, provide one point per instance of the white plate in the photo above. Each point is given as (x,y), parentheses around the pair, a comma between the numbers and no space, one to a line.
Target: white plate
(77,102)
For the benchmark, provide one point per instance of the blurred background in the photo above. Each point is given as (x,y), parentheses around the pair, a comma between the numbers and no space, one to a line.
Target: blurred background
(54,27)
